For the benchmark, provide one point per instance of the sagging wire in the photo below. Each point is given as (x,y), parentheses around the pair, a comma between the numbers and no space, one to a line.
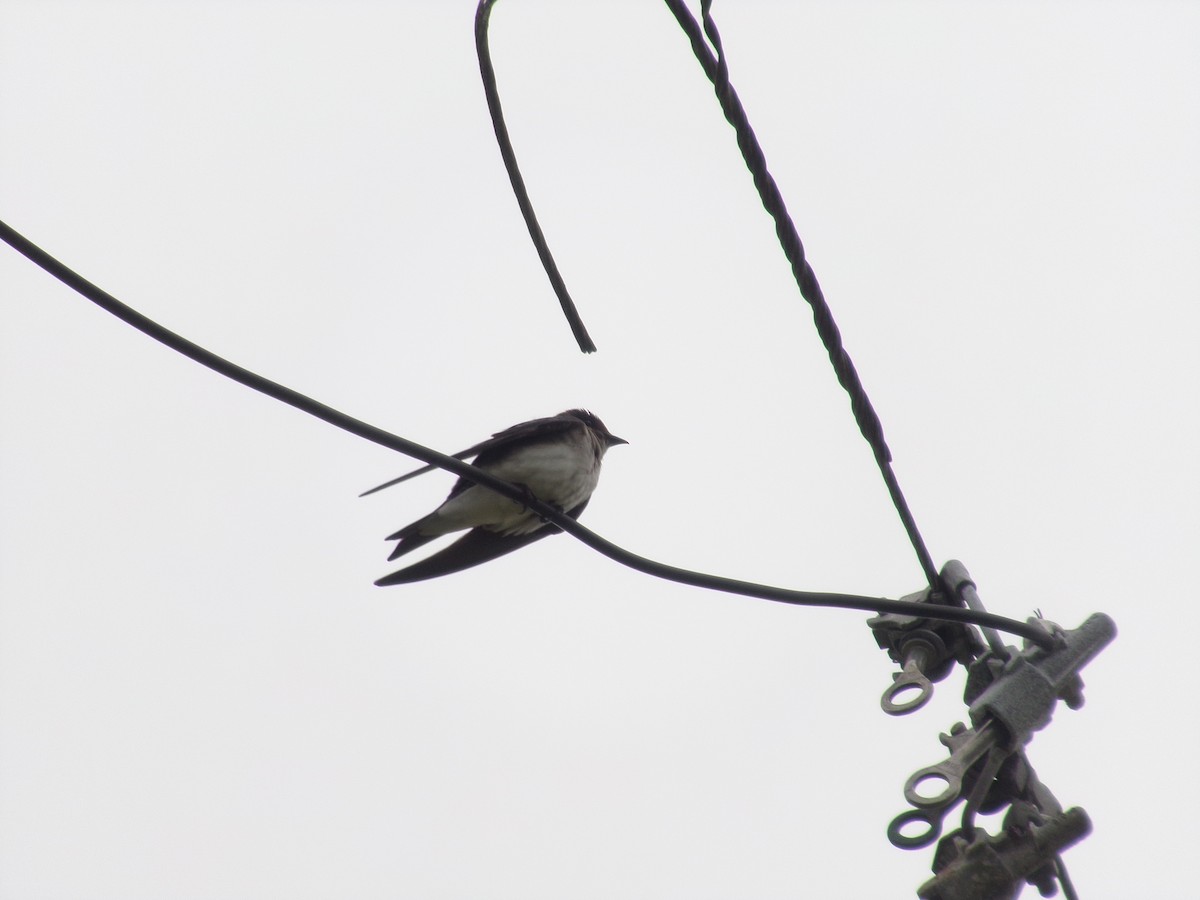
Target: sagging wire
(488,73)
(1029,631)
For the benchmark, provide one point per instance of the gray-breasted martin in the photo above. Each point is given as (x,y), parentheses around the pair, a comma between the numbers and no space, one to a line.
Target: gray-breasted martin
(556,458)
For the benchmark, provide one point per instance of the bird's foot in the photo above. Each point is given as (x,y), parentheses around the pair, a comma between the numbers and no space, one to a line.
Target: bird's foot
(531,497)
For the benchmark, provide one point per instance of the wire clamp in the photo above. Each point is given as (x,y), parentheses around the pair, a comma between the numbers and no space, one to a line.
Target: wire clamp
(996,868)
(1011,695)
(1025,688)
(926,649)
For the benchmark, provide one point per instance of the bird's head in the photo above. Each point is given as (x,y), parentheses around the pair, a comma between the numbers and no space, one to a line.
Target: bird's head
(592,421)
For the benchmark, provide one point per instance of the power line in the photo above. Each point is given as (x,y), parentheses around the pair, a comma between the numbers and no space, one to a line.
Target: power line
(716,67)
(243,376)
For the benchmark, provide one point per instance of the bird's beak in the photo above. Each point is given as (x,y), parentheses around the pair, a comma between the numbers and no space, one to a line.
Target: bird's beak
(613,440)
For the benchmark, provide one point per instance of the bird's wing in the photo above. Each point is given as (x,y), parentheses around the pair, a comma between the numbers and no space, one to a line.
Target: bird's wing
(502,443)
(476,546)
(462,454)
(494,448)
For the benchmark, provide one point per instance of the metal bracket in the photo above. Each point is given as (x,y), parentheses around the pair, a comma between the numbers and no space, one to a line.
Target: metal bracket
(1011,694)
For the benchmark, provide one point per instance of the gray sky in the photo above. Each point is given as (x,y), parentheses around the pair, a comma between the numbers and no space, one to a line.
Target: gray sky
(201,693)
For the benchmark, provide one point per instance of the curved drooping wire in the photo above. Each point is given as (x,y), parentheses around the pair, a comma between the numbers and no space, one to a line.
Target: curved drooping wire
(193,351)
(482,14)
(717,70)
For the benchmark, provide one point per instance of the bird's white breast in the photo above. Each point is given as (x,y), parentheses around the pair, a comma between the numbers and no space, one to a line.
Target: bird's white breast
(563,473)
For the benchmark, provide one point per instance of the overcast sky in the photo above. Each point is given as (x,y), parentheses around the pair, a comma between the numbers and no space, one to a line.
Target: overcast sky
(201,693)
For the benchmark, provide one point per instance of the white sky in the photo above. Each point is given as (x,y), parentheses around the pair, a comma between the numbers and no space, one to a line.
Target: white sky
(201,693)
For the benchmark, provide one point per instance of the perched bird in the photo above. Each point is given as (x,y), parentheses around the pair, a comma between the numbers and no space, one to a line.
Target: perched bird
(557,459)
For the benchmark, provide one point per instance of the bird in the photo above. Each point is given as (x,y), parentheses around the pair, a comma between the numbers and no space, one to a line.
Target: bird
(556,458)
